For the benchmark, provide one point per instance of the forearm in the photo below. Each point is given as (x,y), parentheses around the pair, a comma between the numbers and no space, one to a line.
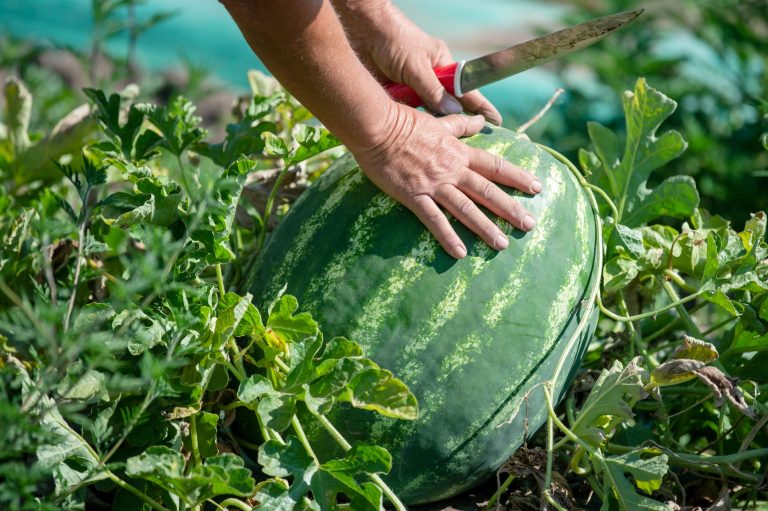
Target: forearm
(308,52)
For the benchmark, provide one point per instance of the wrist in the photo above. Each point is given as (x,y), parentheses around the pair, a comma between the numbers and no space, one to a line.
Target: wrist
(383,133)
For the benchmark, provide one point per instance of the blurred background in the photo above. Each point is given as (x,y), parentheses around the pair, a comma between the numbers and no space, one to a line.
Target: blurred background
(709,55)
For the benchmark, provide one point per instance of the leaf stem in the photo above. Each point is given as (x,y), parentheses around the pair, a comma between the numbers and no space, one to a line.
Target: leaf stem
(680,309)
(605,197)
(499,492)
(268,207)
(704,463)
(194,441)
(649,314)
(220,279)
(132,489)
(78,265)
(303,437)
(235,503)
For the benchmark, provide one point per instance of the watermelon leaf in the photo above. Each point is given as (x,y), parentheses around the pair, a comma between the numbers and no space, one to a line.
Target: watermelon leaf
(326,481)
(610,401)
(647,473)
(288,326)
(625,176)
(220,475)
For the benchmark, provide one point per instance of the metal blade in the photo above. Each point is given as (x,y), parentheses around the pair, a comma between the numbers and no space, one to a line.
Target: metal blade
(501,64)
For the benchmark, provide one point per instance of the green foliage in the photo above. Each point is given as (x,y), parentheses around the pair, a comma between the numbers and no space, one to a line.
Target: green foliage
(721,320)
(122,351)
(708,55)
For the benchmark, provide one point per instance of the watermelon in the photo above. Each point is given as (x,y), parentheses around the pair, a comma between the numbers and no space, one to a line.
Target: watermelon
(474,339)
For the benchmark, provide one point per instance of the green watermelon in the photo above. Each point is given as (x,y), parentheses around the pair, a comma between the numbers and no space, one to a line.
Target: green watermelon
(474,338)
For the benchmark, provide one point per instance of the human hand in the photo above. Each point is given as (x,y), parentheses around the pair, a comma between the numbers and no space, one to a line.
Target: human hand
(420,162)
(398,50)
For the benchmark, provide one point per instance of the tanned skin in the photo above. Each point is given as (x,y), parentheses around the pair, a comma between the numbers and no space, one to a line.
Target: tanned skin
(331,54)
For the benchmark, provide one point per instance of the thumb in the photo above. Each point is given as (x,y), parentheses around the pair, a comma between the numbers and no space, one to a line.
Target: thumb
(462,125)
(424,81)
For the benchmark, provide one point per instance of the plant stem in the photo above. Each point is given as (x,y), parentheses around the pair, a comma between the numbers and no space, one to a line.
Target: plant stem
(499,492)
(78,265)
(303,438)
(339,438)
(235,503)
(677,279)
(704,463)
(194,441)
(718,326)
(268,207)
(547,487)
(680,309)
(220,279)
(570,435)
(605,197)
(132,489)
(645,315)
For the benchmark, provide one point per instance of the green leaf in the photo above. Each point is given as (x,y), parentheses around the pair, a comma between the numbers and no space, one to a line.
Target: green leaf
(153,200)
(219,475)
(290,327)
(246,138)
(280,460)
(206,434)
(254,388)
(92,316)
(363,384)
(276,411)
(648,475)
(231,310)
(108,112)
(312,141)
(274,408)
(626,179)
(177,122)
(69,458)
(610,401)
(370,459)
(328,480)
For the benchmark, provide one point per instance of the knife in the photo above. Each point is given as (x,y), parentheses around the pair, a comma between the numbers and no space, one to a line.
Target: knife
(466,75)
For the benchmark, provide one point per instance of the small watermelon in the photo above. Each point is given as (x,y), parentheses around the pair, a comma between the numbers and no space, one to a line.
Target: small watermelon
(473,339)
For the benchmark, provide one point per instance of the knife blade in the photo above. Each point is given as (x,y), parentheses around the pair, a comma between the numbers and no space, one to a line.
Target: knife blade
(464,76)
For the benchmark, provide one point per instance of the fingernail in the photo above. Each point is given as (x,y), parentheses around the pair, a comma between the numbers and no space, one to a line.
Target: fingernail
(459,251)
(536,186)
(528,223)
(449,105)
(501,242)
(492,117)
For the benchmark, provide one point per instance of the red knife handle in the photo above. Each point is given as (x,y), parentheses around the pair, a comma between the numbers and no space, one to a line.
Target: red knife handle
(404,94)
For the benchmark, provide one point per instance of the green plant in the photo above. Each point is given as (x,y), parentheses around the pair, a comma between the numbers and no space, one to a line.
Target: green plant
(622,447)
(120,357)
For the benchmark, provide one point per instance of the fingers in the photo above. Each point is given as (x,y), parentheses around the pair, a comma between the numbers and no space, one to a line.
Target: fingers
(462,125)
(497,169)
(480,190)
(466,212)
(434,219)
(476,103)
(424,81)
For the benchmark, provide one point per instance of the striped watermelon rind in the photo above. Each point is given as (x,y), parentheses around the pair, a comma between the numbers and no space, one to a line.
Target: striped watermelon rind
(475,339)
